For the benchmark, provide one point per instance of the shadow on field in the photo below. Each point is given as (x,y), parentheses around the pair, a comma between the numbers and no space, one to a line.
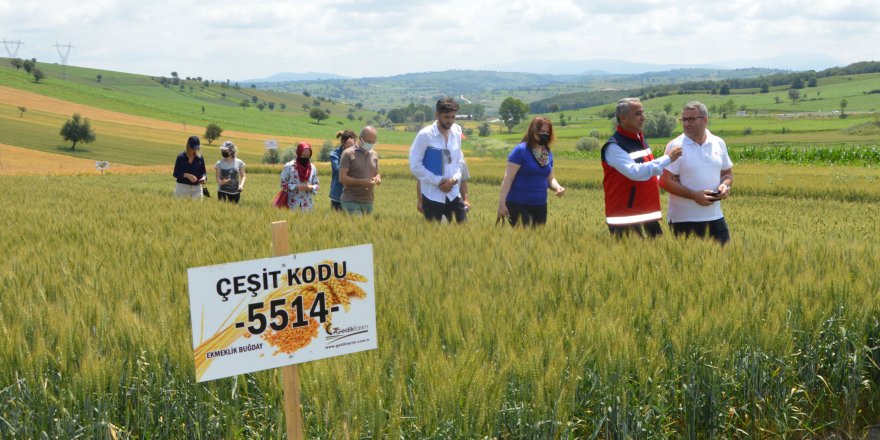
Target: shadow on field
(66,149)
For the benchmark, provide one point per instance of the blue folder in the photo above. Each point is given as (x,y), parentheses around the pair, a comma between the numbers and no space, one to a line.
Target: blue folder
(433,160)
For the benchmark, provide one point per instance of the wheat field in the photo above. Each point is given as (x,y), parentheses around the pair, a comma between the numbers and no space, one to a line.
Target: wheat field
(484,331)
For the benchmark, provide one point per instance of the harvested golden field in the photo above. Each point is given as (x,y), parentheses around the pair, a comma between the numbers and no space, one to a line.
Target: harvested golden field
(23,161)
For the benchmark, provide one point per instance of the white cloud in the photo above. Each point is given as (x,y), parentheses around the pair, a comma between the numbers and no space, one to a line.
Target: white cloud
(230,39)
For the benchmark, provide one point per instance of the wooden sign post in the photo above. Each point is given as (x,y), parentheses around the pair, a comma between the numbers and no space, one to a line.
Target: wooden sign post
(281,311)
(290,373)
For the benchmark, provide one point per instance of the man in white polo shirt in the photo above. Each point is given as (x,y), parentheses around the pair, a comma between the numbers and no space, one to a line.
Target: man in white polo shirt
(699,180)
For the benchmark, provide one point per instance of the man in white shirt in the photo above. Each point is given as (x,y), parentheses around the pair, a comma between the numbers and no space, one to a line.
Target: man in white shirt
(699,180)
(441,193)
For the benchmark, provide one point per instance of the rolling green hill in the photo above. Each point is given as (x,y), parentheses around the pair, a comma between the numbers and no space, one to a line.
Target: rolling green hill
(191,102)
(489,87)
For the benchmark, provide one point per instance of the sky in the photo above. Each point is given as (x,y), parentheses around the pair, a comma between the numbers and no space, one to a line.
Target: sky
(237,40)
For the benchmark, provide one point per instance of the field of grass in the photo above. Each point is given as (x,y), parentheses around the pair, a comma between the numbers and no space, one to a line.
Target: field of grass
(559,332)
(173,114)
(139,95)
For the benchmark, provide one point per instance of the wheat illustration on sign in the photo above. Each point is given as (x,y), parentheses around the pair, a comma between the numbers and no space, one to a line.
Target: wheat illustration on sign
(312,304)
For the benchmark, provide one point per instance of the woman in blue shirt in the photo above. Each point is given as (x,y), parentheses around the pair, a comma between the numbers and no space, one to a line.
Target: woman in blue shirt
(529,174)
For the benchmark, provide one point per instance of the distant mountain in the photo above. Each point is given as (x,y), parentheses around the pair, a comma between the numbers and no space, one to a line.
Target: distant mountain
(794,62)
(603,66)
(593,67)
(291,76)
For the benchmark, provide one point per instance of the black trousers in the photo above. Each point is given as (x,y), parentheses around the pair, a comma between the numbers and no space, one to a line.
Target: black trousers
(527,215)
(222,196)
(717,229)
(435,211)
(647,229)
(336,206)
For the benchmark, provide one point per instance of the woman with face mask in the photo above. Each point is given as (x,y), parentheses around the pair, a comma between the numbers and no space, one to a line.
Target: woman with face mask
(529,174)
(229,173)
(300,179)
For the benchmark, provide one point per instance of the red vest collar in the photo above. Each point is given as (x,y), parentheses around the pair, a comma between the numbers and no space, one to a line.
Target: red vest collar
(632,135)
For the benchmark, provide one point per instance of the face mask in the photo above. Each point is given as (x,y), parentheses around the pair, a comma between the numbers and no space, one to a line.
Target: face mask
(225,153)
(367,146)
(544,138)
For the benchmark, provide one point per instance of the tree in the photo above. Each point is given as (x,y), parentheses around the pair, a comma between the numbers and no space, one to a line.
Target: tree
(261,106)
(283,106)
(271,105)
(77,130)
(306,94)
(587,144)
(798,83)
(28,66)
(843,105)
(657,124)
(512,112)
(777,99)
(244,104)
(765,87)
(254,99)
(21,110)
(223,95)
(271,156)
(812,82)
(484,129)
(728,107)
(212,132)
(16,62)
(38,75)
(794,94)
(553,108)
(318,114)
(667,107)
(203,109)
(288,155)
(99,77)
(725,89)
(326,149)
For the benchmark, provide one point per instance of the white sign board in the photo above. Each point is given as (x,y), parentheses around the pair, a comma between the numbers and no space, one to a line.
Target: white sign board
(268,313)
(102,165)
(271,145)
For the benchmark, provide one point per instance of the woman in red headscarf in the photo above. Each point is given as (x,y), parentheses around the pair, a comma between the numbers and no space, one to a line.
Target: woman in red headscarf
(300,179)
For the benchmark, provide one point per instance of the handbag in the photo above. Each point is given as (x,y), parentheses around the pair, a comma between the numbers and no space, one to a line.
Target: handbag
(280,200)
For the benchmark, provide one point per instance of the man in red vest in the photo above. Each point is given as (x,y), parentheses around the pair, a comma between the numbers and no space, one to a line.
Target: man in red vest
(632,194)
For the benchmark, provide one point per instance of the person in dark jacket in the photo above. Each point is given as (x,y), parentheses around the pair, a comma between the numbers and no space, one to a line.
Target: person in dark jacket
(189,170)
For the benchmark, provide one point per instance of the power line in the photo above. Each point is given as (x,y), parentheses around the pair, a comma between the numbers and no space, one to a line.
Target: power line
(13,52)
(64,55)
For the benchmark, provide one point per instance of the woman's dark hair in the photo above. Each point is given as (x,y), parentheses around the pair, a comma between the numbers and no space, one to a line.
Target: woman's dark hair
(531,137)
(344,136)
